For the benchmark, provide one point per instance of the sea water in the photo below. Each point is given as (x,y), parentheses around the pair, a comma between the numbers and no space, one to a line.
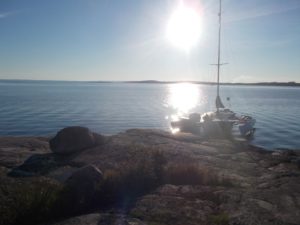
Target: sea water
(43,107)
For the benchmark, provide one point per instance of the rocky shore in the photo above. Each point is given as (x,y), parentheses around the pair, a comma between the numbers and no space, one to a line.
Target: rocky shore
(145,177)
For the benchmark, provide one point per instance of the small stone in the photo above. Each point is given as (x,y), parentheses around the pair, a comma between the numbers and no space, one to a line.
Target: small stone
(263,204)
(263,185)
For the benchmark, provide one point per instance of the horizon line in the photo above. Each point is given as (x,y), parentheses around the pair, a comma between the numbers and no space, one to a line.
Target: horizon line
(278,83)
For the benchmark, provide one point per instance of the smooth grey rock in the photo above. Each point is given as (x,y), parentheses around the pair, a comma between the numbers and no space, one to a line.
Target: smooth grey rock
(15,150)
(177,205)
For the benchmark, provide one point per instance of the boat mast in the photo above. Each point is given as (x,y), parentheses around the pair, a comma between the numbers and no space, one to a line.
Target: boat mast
(219,51)
(219,103)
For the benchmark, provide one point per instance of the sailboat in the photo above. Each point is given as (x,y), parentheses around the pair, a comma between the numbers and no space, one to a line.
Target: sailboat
(221,121)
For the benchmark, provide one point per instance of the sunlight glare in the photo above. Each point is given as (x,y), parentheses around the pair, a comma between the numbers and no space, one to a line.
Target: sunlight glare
(184,27)
(174,130)
(183,97)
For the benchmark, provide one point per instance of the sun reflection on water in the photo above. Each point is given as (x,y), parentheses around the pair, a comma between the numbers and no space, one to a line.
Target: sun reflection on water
(182,97)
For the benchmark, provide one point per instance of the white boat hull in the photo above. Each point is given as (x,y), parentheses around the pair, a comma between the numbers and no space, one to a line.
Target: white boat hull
(217,124)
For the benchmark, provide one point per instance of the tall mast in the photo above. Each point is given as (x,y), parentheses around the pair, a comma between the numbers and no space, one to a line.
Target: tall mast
(219,49)
(219,103)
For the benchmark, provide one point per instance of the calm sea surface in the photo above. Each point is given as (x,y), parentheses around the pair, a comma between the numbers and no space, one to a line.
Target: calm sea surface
(44,107)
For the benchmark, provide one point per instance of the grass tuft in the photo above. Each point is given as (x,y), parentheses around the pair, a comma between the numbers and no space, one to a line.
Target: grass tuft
(27,201)
(220,219)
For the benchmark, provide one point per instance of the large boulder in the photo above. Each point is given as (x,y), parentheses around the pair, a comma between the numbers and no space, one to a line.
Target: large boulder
(85,177)
(72,139)
(82,187)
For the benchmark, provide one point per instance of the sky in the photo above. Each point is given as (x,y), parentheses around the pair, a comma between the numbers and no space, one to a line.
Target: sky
(117,40)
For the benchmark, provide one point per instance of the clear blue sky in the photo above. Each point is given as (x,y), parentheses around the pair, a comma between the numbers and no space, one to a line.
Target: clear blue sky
(125,40)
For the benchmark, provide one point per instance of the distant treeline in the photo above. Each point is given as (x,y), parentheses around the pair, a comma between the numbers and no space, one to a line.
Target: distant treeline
(287,84)
(284,84)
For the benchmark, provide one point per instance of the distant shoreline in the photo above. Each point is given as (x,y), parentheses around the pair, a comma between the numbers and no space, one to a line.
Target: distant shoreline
(280,84)
(286,84)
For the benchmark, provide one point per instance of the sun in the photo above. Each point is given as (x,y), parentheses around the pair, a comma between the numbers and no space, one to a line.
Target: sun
(184,27)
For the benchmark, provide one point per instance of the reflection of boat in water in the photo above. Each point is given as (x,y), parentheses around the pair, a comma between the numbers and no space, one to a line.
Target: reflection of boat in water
(220,122)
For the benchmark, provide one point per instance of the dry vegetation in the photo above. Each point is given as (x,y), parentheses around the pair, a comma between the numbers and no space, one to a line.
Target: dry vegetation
(27,200)
(36,200)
